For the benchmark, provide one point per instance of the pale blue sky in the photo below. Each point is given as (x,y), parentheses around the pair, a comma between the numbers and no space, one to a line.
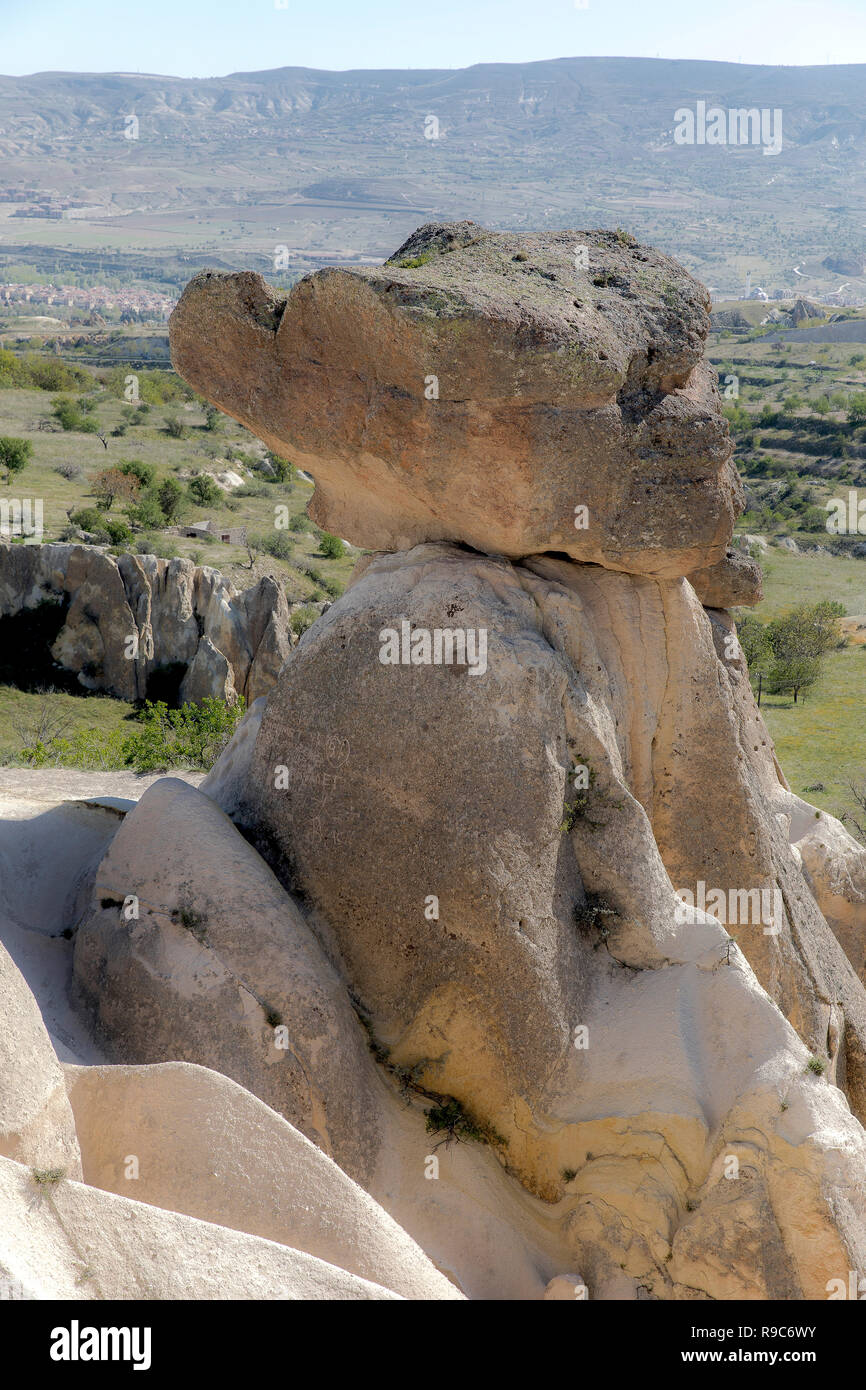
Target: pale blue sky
(205,38)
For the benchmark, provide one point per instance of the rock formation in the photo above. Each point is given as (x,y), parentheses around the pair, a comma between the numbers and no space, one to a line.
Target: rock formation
(497,914)
(122,620)
(516,393)
(486,904)
(210,934)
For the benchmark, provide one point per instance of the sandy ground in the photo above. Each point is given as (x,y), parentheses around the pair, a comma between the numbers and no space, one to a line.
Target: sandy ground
(55,826)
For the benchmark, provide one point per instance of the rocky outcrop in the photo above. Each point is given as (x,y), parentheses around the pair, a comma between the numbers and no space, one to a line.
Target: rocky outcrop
(834,864)
(205,1147)
(36,1124)
(90,1153)
(190,950)
(478,944)
(515,885)
(516,393)
(228,780)
(123,621)
(65,1240)
(735,581)
(525,794)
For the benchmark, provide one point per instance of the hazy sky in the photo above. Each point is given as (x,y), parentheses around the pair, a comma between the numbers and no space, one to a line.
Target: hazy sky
(205,38)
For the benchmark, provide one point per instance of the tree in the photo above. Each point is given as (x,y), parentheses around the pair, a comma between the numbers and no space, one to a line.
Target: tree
(284,471)
(255,548)
(798,641)
(169,495)
(15,454)
(825,616)
(112,483)
(752,634)
(853,820)
(204,490)
(175,427)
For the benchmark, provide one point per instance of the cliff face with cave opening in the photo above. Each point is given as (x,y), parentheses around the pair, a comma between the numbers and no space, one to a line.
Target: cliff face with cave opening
(123,621)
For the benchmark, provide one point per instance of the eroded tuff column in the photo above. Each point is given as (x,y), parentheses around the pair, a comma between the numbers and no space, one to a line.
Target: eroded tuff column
(499,758)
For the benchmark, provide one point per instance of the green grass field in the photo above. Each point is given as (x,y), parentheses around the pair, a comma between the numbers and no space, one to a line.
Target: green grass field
(23,411)
(822,739)
(791,579)
(25,715)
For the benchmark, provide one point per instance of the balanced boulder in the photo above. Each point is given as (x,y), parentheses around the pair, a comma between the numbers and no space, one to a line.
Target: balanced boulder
(517,393)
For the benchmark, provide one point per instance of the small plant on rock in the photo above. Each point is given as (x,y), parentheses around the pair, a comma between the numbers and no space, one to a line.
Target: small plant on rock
(577,811)
(194,922)
(47,1177)
(450,1118)
(595,913)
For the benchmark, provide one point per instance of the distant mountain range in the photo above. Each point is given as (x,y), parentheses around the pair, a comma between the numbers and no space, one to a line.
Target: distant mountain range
(345,163)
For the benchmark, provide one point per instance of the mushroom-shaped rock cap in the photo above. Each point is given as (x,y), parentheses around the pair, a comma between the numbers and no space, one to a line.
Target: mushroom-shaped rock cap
(518,393)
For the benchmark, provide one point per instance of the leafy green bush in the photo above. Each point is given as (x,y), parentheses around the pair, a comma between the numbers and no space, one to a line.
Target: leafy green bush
(284,471)
(86,748)
(90,519)
(253,490)
(331,546)
(40,373)
(301,523)
(190,737)
(118,531)
(170,497)
(154,387)
(275,543)
(71,416)
(134,468)
(857,408)
(157,545)
(147,513)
